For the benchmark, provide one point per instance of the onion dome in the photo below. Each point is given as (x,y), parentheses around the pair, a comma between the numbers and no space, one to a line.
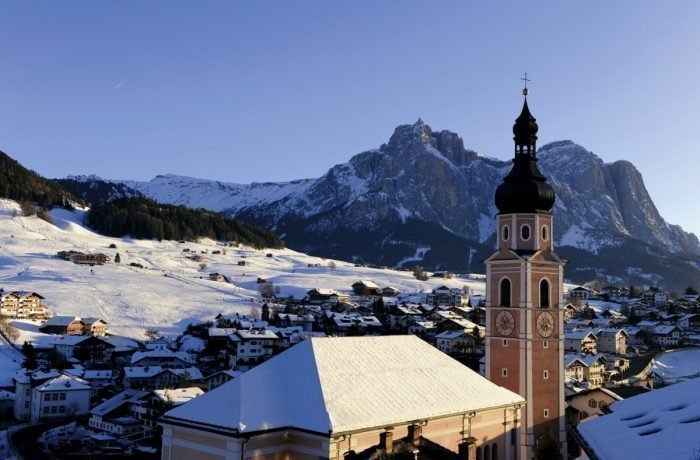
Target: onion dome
(524,189)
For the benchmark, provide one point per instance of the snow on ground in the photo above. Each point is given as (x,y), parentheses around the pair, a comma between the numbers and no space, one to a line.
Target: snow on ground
(677,365)
(171,291)
(10,362)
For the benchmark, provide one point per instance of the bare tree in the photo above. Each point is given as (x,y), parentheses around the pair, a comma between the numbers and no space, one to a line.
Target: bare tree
(331,266)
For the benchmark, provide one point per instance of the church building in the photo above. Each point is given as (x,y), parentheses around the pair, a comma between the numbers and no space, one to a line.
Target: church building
(524,315)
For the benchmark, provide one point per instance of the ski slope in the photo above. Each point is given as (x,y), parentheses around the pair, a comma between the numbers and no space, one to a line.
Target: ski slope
(171,291)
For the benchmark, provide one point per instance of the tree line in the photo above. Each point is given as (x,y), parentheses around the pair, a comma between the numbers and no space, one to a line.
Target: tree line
(147,219)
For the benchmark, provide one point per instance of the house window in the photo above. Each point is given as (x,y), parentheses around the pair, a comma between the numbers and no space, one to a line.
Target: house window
(545,233)
(46,410)
(505,292)
(545,375)
(546,413)
(592,403)
(494,451)
(504,372)
(544,293)
(47,397)
(63,397)
(54,409)
(54,397)
(505,233)
(525,232)
(61,409)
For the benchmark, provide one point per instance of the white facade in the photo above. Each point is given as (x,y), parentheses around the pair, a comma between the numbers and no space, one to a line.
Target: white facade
(60,397)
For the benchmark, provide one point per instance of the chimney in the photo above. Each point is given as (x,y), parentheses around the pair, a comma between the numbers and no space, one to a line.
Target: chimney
(414,434)
(386,441)
(467,449)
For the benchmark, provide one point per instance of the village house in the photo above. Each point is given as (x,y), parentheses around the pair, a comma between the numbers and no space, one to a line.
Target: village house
(422,327)
(455,342)
(447,297)
(119,415)
(589,369)
(89,259)
(581,293)
(94,326)
(318,296)
(390,291)
(157,402)
(22,304)
(159,343)
(611,291)
(154,377)
(635,336)
(60,397)
(666,336)
(25,381)
(85,348)
(217,379)
(365,288)
(612,341)
(583,341)
(167,359)
(335,398)
(306,322)
(587,403)
(252,347)
(63,325)
(689,322)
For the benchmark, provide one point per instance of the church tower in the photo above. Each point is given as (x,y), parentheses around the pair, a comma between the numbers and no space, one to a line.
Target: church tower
(524,316)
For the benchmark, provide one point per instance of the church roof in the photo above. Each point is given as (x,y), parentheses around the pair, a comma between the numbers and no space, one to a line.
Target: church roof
(340,384)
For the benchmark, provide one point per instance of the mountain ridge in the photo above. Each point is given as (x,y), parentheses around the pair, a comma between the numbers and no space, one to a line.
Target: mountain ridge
(428,179)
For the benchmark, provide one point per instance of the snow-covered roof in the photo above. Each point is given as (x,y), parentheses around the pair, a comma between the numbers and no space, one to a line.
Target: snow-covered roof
(450,335)
(340,384)
(256,334)
(70,340)
(178,396)
(367,284)
(97,374)
(579,335)
(662,423)
(159,355)
(664,330)
(587,360)
(125,397)
(61,320)
(64,382)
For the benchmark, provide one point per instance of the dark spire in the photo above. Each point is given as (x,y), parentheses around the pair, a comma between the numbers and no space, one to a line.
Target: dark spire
(525,189)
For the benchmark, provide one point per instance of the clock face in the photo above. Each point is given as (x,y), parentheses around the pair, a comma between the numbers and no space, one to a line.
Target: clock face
(505,323)
(545,324)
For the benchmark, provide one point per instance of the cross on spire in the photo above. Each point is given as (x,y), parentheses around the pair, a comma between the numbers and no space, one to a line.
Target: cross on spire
(525,79)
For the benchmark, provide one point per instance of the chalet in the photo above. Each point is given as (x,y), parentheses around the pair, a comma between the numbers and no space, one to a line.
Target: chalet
(60,397)
(666,336)
(400,316)
(167,359)
(319,296)
(569,310)
(63,325)
(580,342)
(447,297)
(455,342)
(119,415)
(159,343)
(219,378)
(613,341)
(99,378)
(87,349)
(390,291)
(611,291)
(157,402)
(581,293)
(90,259)
(21,304)
(365,288)
(422,328)
(589,369)
(94,326)
(289,320)
(587,403)
(152,377)
(689,323)
(613,316)
(431,397)
(252,347)
(647,326)
(635,336)
(343,323)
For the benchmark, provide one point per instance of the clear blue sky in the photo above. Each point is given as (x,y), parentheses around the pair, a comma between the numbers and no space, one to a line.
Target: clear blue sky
(279,90)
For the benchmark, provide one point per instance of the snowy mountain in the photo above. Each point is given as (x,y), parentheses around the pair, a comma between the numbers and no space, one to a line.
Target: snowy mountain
(423,198)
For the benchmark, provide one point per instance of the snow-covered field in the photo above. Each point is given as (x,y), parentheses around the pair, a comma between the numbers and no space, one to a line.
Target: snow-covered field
(10,362)
(677,365)
(172,290)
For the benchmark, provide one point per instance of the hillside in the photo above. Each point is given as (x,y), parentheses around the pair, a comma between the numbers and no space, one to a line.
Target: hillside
(172,290)
(144,218)
(424,197)
(21,184)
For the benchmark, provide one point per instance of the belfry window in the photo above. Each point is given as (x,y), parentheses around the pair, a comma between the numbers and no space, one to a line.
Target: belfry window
(525,232)
(505,292)
(544,293)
